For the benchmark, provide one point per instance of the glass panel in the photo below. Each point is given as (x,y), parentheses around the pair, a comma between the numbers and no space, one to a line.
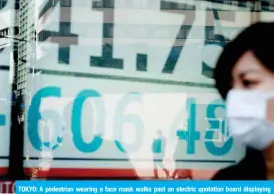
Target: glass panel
(117,88)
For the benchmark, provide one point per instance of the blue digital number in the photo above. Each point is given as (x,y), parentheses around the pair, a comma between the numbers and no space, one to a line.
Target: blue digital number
(34,115)
(190,135)
(76,117)
(214,124)
(2,120)
(120,119)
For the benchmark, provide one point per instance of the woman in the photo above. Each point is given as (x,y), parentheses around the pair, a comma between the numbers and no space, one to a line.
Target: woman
(244,77)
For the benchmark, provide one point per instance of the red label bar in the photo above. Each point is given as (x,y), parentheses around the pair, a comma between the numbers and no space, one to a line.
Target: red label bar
(3,171)
(111,173)
(7,187)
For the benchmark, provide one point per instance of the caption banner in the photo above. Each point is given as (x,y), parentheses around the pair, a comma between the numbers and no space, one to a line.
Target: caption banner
(144,187)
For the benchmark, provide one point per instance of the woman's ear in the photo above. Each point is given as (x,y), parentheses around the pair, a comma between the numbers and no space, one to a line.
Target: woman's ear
(270,110)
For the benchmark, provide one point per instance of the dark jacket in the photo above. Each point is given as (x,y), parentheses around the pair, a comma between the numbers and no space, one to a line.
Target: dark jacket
(252,167)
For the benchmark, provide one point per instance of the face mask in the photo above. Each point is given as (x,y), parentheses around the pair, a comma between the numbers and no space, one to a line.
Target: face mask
(247,118)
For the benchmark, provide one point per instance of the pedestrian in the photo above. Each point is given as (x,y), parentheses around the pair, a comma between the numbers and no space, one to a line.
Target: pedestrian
(244,76)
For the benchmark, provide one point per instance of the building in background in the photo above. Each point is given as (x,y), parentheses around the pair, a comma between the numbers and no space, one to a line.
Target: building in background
(26,53)
(8,61)
(8,31)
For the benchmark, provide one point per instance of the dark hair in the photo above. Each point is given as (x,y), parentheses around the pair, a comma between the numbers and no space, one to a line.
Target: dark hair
(257,38)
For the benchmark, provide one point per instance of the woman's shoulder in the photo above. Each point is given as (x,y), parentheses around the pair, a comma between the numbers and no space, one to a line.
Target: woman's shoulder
(251,167)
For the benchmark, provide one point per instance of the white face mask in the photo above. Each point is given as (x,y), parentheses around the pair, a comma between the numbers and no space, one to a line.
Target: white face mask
(247,118)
